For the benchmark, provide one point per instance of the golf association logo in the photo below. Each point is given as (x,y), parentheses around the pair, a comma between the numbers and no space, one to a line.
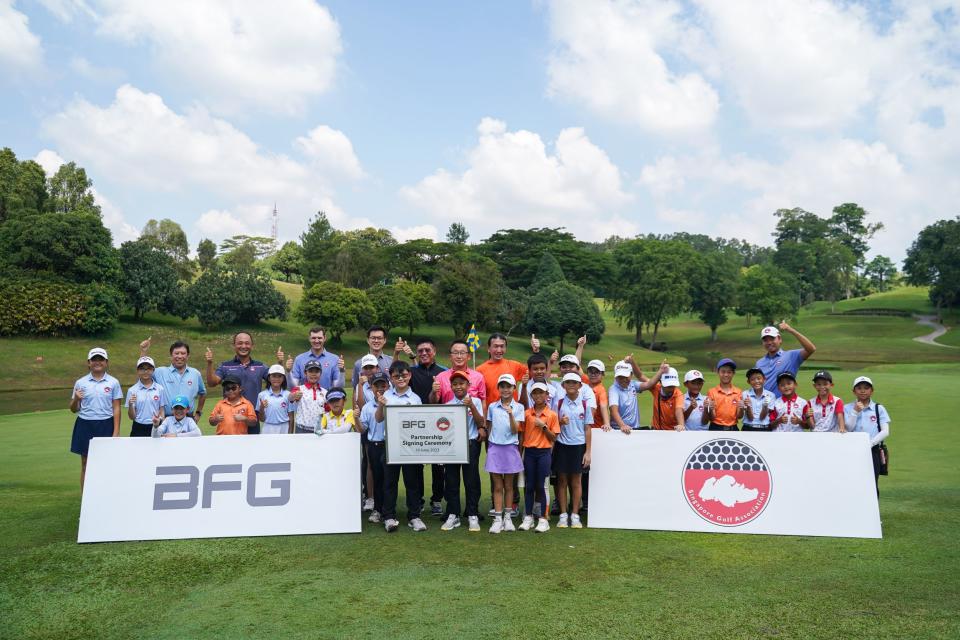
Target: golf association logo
(727,482)
(442,423)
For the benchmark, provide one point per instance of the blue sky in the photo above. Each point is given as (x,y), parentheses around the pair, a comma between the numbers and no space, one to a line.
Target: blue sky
(604,117)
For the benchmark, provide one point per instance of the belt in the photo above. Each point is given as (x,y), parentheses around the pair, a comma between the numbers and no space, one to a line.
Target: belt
(304,427)
(378,443)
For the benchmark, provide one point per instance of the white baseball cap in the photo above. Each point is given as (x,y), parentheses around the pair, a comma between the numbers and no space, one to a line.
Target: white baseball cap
(539,385)
(369,360)
(570,358)
(144,360)
(97,351)
(572,377)
(598,365)
(693,374)
(670,379)
(276,368)
(509,379)
(773,332)
(863,379)
(622,369)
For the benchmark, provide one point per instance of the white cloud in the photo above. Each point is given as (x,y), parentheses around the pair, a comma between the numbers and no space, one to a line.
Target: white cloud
(219,224)
(331,152)
(513,180)
(428,231)
(20,49)
(67,10)
(727,491)
(806,64)
(86,69)
(113,217)
(138,141)
(613,57)
(235,53)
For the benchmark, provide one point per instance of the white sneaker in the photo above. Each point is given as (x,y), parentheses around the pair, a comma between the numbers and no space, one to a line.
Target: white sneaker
(391,525)
(417,525)
(575,522)
(374,517)
(368,504)
(452,523)
(497,525)
(473,523)
(562,524)
(508,522)
(542,526)
(527,523)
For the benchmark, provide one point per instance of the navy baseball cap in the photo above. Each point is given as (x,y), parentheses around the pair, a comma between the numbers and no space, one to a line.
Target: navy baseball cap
(379,376)
(726,362)
(822,375)
(754,370)
(231,378)
(786,374)
(312,364)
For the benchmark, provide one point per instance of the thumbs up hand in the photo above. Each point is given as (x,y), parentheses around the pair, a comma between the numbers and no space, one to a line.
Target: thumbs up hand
(534,343)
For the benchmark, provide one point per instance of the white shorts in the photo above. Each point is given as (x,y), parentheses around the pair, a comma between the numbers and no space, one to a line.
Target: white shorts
(269,428)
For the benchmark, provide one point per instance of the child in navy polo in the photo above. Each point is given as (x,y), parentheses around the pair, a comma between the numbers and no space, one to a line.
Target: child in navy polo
(144,399)
(179,425)
(96,401)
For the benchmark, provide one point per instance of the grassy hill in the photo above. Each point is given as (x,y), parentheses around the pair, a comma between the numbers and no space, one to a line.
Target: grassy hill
(852,343)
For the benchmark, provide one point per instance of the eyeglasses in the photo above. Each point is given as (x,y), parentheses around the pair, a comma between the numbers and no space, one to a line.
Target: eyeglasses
(425,350)
(230,387)
(459,353)
(400,376)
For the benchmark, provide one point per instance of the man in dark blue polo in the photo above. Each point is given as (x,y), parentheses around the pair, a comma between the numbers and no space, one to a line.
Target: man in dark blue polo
(252,373)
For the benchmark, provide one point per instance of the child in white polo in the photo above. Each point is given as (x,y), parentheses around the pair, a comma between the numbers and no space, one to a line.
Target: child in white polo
(693,413)
(826,410)
(179,425)
(144,399)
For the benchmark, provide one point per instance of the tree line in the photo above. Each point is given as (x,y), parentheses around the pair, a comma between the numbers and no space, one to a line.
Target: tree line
(540,280)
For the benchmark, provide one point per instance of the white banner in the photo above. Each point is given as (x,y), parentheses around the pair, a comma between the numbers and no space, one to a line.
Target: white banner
(812,484)
(220,486)
(427,433)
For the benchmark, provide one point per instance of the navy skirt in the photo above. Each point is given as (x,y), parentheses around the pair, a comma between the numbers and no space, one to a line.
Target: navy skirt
(84,430)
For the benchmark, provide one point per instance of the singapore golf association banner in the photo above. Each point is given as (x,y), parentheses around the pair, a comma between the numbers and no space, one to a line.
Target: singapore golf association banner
(812,484)
(220,486)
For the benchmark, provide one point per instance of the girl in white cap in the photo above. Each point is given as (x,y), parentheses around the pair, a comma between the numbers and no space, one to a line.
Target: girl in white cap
(96,401)
(273,405)
(503,453)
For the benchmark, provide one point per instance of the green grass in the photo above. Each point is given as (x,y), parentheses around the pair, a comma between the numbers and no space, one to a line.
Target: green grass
(565,584)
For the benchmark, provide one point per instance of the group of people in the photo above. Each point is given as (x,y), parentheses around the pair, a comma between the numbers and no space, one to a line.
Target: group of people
(534,422)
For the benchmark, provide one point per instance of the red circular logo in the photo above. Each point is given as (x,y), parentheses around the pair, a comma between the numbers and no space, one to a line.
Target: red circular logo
(443,424)
(106,389)
(727,482)
(155,398)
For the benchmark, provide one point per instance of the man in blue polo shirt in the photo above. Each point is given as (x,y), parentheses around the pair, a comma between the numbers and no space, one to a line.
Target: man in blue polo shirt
(252,373)
(179,380)
(331,372)
(776,360)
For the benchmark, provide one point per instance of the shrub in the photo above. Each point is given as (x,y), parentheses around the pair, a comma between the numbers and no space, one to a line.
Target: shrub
(37,307)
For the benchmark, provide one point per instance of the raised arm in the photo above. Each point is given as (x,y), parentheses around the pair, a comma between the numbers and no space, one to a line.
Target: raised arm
(807,347)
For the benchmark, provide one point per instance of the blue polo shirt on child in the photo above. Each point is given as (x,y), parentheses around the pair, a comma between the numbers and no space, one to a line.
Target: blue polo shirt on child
(696,420)
(498,417)
(189,384)
(185,427)
(774,365)
(868,421)
(375,430)
(626,402)
(98,396)
(407,397)
(756,405)
(472,432)
(149,401)
(579,417)
(278,407)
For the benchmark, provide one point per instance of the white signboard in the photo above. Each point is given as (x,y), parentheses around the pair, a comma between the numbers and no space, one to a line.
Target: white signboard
(427,433)
(220,486)
(812,484)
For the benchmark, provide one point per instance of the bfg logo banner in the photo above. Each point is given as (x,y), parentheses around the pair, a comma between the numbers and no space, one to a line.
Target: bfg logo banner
(220,486)
(192,487)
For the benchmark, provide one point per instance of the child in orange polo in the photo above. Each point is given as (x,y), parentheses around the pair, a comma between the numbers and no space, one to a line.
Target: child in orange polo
(234,413)
(540,429)
(724,406)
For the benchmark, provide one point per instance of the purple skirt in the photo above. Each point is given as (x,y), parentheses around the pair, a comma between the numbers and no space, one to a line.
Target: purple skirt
(503,458)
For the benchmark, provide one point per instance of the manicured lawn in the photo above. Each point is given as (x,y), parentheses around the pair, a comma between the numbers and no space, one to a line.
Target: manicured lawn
(565,584)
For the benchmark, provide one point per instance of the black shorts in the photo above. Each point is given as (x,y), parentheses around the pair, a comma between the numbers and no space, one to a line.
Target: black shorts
(141,430)
(720,427)
(749,427)
(86,430)
(568,458)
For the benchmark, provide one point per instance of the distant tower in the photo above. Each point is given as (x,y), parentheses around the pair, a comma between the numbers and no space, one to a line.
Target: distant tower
(276,220)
